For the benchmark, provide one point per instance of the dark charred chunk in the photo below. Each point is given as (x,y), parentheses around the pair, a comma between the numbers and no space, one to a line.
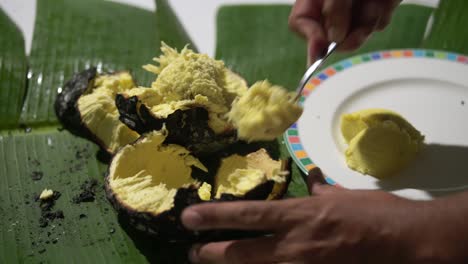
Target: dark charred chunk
(46,206)
(36,175)
(135,115)
(88,192)
(166,226)
(65,103)
(188,128)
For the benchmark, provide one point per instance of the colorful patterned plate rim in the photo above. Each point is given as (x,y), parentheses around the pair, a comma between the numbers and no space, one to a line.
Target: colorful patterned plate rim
(291,136)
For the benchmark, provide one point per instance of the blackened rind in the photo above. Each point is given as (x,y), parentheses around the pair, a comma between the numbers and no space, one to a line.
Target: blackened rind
(65,103)
(188,128)
(286,166)
(166,226)
(129,113)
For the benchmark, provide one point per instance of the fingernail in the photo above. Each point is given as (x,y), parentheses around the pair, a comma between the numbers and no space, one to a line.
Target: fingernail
(191,219)
(193,253)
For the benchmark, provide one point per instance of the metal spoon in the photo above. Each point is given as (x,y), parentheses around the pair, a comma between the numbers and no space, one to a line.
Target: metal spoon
(313,68)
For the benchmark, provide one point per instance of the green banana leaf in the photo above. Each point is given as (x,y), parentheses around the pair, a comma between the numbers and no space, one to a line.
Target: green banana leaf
(71,35)
(12,72)
(406,31)
(448,31)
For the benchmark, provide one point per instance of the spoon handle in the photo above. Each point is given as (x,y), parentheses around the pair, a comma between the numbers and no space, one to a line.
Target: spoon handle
(313,68)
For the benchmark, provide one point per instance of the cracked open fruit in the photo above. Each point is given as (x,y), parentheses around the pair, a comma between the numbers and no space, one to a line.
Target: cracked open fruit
(151,182)
(174,143)
(87,106)
(204,105)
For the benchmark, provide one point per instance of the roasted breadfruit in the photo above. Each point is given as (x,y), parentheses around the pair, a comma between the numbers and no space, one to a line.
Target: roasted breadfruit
(87,106)
(150,182)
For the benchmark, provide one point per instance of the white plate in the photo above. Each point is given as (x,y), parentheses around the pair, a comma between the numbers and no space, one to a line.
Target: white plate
(428,88)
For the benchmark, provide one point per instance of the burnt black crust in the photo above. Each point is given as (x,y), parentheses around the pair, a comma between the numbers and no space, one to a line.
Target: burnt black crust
(65,102)
(188,128)
(286,166)
(166,226)
(66,107)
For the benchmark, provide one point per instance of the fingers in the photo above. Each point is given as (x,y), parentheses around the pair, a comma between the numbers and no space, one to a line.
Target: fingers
(317,183)
(337,15)
(250,215)
(386,15)
(344,21)
(305,19)
(356,38)
(368,16)
(258,250)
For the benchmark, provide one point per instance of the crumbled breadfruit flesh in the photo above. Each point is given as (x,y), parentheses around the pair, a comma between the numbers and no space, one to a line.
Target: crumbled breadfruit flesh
(241,181)
(264,112)
(239,174)
(148,95)
(235,85)
(188,79)
(100,115)
(187,74)
(380,142)
(204,192)
(46,194)
(145,176)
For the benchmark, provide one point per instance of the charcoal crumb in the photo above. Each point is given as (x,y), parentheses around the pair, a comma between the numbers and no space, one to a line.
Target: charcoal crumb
(42,250)
(462,102)
(54,241)
(88,192)
(47,215)
(49,233)
(47,242)
(35,162)
(36,175)
(81,216)
(59,214)
(43,222)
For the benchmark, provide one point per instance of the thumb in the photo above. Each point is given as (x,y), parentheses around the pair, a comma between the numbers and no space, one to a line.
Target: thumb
(317,183)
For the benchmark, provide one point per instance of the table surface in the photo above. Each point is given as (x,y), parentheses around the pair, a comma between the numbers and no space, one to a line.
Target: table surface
(198,17)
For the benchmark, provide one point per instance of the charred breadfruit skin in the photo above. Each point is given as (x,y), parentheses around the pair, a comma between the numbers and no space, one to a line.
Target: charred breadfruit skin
(280,189)
(165,226)
(136,115)
(66,102)
(188,128)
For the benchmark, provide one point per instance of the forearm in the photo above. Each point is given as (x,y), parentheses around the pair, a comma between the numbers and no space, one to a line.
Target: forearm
(439,232)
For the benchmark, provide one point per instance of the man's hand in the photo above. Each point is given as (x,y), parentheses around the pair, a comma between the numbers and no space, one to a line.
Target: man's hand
(349,22)
(333,226)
